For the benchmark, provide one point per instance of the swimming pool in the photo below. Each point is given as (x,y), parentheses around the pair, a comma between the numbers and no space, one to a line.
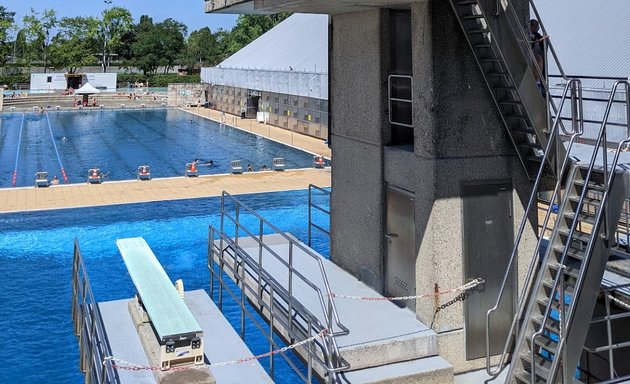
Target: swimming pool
(36,257)
(119,141)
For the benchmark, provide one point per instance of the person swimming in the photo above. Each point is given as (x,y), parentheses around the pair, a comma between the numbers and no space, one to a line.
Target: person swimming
(203,163)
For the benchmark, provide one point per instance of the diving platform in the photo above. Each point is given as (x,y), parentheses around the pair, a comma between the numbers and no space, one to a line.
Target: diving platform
(385,343)
(222,343)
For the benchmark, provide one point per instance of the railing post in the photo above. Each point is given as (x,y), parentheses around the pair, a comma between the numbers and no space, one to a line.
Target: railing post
(611,363)
(310,191)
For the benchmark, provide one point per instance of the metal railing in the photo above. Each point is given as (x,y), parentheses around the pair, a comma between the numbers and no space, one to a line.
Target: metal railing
(89,327)
(273,294)
(532,203)
(312,205)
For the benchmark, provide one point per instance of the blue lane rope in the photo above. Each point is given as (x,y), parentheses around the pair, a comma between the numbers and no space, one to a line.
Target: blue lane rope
(17,152)
(63,171)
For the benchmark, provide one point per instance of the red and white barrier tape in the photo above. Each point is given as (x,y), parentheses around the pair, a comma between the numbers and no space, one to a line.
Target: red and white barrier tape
(130,366)
(470,285)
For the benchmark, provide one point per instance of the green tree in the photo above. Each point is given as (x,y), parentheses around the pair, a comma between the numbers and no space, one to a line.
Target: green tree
(37,35)
(75,45)
(6,26)
(115,23)
(146,47)
(171,35)
(201,48)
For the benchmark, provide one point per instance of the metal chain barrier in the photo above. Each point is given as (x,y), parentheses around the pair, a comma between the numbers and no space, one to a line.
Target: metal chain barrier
(472,288)
(621,303)
(130,366)
(466,287)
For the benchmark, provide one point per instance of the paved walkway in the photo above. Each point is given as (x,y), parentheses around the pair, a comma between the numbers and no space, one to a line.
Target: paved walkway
(295,139)
(133,191)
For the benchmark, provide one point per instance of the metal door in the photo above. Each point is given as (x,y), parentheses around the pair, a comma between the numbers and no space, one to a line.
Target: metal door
(488,240)
(400,260)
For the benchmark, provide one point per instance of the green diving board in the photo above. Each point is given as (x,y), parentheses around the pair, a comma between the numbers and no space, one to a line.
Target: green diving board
(167,311)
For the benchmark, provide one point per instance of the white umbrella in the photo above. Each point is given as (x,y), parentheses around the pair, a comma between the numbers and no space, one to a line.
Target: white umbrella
(85,90)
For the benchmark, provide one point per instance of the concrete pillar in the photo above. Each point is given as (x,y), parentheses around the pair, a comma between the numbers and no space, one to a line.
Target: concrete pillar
(458,138)
(357,119)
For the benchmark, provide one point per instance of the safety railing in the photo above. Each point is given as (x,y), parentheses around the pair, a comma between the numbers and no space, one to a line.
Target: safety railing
(274,294)
(608,171)
(89,327)
(313,205)
(531,205)
(614,340)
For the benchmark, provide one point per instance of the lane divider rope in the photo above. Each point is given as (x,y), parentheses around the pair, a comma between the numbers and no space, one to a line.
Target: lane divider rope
(63,171)
(17,152)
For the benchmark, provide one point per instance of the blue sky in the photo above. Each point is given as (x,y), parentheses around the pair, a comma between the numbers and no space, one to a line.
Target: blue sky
(189,12)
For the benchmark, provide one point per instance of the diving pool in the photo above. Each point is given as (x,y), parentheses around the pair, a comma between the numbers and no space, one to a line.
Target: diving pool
(36,251)
(119,141)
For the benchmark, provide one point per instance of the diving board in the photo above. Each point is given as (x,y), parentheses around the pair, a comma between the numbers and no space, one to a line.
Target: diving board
(177,331)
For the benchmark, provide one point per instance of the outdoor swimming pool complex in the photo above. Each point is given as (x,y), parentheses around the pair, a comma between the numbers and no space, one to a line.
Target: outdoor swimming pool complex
(36,256)
(119,141)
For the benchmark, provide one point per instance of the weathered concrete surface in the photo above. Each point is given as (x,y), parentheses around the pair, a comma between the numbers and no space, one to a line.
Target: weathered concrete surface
(430,370)
(380,332)
(221,343)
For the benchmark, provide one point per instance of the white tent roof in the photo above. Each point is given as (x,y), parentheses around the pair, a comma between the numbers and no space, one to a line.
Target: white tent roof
(590,37)
(299,43)
(86,89)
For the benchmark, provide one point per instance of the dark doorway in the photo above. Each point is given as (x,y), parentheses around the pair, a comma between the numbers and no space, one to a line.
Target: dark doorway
(488,241)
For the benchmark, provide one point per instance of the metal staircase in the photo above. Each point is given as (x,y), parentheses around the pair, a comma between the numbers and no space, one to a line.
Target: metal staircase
(560,291)
(563,296)
(503,60)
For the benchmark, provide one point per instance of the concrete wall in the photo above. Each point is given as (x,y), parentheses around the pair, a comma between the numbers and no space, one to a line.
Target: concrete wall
(458,137)
(357,120)
(181,95)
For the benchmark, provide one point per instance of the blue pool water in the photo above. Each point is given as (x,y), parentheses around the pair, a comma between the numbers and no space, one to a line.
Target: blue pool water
(118,142)
(36,259)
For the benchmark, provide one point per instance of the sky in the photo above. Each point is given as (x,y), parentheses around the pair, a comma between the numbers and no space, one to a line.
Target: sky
(189,12)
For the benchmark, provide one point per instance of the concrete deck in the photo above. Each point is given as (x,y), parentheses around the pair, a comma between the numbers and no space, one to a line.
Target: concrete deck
(221,342)
(133,191)
(380,332)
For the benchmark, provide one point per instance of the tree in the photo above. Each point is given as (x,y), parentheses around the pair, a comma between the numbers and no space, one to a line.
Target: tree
(146,48)
(75,45)
(116,22)
(38,34)
(171,34)
(201,48)
(6,26)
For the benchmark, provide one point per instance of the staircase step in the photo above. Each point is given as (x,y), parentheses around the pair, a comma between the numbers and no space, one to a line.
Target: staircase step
(545,346)
(553,327)
(472,17)
(478,31)
(582,217)
(542,366)
(591,185)
(496,73)
(483,45)
(510,102)
(577,235)
(573,252)
(467,2)
(527,130)
(530,145)
(517,116)
(569,270)
(587,201)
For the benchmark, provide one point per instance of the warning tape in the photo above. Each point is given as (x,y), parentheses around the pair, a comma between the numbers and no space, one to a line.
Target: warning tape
(130,366)
(465,287)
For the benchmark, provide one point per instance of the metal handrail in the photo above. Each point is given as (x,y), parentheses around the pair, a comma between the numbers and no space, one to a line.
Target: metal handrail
(89,327)
(530,206)
(334,327)
(602,212)
(312,205)
(263,306)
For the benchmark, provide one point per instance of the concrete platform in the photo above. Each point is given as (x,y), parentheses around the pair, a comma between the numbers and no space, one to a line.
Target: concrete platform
(380,332)
(221,342)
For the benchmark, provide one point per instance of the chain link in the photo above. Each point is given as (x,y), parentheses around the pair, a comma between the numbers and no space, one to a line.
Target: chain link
(471,288)
(465,287)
